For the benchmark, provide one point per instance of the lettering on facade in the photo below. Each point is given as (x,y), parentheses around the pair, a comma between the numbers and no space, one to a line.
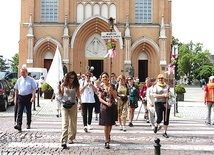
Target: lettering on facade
(110,35)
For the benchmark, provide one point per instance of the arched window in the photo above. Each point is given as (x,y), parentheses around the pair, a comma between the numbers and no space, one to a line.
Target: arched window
(143,11)
(96,9)
(104,11)
(49,10)
(88,11)
(112,12)
(80,13)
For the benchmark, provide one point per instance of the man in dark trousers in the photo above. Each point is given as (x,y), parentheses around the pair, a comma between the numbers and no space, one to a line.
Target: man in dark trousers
(25,89)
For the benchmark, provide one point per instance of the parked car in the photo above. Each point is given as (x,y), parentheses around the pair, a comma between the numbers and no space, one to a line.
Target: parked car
(6,94)
(3,74)
(10,76)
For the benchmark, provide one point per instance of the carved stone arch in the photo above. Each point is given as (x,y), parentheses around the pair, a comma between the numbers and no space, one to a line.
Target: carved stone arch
(105,20)
(43,45)
(151,49)
(47,39)
(148,40)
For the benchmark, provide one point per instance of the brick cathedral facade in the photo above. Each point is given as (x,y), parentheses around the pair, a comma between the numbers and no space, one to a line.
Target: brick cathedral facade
(75,26)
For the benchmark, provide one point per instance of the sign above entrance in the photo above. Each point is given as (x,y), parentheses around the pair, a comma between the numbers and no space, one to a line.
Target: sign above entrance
(110,35)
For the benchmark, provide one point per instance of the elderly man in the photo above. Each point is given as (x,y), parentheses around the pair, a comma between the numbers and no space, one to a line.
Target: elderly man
(25,89)
(209,99)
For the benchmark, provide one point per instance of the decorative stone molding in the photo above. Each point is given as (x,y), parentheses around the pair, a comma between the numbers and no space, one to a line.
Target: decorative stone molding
(44,39)
(145,39)
(85,22)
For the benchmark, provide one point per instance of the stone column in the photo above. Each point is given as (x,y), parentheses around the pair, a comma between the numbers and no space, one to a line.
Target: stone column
(66,43)
(30,37)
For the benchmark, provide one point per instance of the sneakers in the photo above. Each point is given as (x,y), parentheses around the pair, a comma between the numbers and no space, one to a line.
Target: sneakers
(85,129)
(207,123)
(18,127)
(59,115)
(130,124)
(165,135)
(121,128)
(89,127)
(64,146)
(155,129)
(28,126)
(124,128)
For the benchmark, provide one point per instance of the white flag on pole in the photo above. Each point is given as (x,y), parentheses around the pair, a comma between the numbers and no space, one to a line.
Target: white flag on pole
(55,73)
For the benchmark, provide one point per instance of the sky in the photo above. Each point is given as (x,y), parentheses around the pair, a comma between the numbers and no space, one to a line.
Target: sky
(191,21)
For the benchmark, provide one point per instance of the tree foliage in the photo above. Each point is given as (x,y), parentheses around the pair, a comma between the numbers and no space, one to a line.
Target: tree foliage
(15,62)
(3,65)
(193,61)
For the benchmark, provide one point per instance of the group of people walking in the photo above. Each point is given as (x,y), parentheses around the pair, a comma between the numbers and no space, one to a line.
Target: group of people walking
(117,100)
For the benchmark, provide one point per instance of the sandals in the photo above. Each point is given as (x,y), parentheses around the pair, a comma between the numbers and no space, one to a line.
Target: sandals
(70,142)
(107,146)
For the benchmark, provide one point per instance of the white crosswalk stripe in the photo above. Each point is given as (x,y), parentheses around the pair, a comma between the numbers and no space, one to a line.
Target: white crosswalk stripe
(138,137)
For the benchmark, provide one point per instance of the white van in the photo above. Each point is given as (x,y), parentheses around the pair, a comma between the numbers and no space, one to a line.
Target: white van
(38,72)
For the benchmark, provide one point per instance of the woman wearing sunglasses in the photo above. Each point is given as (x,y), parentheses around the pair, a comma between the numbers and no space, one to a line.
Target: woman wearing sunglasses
(69,91)
(161,95)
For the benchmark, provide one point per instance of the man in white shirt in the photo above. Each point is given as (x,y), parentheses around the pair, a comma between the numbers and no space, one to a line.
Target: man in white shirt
(87,90)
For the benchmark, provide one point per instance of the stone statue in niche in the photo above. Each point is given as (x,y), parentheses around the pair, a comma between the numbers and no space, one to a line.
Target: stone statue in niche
(131,71)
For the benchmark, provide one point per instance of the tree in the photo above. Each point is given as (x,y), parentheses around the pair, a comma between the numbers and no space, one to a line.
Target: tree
(3,65)
(15,62)
(191,59)
(205,72)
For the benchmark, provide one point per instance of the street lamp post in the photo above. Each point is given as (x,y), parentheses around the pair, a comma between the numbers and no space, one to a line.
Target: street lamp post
(175,53)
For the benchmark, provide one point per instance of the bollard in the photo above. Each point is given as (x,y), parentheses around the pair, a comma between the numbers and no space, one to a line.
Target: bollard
(176,105)
(157,146)
(34,105)
(38,92)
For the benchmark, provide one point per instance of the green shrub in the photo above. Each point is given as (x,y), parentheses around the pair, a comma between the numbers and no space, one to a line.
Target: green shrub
(140,85)
(13,82)
(47,88)
(179,89)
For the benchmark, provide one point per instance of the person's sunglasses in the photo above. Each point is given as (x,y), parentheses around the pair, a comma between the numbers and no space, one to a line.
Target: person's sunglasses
(72,78)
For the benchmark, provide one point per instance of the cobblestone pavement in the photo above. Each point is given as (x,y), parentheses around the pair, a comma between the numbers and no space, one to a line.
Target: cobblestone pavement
(187,133)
